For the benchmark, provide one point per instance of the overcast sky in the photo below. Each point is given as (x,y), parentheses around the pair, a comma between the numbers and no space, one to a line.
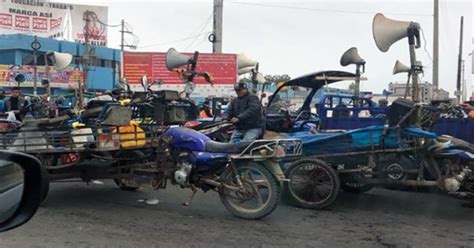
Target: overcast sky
(298,37)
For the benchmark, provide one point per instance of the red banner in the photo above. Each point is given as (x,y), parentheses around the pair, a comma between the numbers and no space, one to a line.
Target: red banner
(222,67)
(55,23)
(40,24)
(6,20)
(22,21)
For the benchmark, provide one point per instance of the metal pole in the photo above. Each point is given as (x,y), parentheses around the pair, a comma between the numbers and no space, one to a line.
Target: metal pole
(414,74)
(463,81)
(86,56)
(35,45)
(357,86)
(436,45)
(458,81)
(35,72)
(218,9)
(122,39)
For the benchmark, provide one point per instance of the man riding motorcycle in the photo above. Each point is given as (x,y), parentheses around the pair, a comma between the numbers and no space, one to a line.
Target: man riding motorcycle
(245,112)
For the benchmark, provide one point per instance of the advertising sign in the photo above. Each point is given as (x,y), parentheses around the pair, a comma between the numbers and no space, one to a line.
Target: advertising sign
(67,78)
(222,67)
(53,20)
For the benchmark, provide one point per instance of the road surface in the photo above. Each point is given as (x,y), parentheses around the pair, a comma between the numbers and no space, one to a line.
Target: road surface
(79,215)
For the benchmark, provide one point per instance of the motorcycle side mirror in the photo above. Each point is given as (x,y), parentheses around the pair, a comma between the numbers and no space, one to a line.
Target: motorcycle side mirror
(21,181)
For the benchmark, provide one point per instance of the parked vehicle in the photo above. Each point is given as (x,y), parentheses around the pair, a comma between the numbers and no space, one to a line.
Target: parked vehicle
(391,155)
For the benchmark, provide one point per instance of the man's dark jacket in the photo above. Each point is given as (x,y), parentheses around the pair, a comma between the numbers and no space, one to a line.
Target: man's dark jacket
(249,111)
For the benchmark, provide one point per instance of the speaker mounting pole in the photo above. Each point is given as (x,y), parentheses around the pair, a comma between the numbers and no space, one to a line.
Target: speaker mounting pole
(35,45)
(414,42)
(458,81)
(357,85)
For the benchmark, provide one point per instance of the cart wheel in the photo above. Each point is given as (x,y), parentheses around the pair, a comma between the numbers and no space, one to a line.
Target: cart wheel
(132,157)
(394,170)
(356,188)
(313,184)
(122,184)
(349,183)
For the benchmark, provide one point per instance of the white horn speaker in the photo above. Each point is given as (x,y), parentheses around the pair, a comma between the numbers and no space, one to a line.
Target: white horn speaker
(174,59)
(387,31)
(351,56)
(243,61)
(400,68)
(245,70)
(59,61)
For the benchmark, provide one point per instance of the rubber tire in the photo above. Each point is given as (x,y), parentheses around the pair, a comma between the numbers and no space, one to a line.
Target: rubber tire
(356,190)
(123,186)
(294,200)
(403,160)
(273,202)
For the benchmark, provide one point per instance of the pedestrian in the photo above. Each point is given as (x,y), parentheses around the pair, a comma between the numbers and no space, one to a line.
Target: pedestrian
(245,112)
(206,111)
(16,103)
(42,108)
(2,101)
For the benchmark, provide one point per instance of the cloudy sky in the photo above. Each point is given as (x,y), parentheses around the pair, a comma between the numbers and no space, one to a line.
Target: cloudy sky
(298,37)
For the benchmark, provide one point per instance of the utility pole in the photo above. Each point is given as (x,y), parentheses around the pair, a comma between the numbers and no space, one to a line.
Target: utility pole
(463,81)
(458,81)
(122,39)
(85,59)
(436,45)
(217,28)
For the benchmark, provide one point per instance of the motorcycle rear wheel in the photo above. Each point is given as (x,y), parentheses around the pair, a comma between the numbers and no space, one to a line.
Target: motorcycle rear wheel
(260,186)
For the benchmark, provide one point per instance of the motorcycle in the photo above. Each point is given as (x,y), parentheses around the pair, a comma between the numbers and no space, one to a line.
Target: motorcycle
(246,176)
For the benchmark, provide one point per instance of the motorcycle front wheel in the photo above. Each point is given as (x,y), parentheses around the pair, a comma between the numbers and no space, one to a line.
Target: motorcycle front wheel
(259,195)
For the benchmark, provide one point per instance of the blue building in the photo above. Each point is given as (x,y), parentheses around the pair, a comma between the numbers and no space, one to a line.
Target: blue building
(15,50)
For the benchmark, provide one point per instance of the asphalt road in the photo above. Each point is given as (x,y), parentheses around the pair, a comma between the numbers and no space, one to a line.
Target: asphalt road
(79,215)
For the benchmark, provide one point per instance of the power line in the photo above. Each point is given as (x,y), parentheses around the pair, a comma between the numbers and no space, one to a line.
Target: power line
(174,41)
(325,10)
(200,31)
(108,25)
(424,47)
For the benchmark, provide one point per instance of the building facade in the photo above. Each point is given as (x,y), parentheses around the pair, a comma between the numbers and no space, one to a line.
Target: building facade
(16,52)
(427,91)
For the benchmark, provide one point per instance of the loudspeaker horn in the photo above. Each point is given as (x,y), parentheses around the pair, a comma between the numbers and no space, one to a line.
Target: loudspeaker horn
(174,59)
(387,31)
(351,56)
(243,61)
(59,61)
(400,67)
(20,78)
(245,70)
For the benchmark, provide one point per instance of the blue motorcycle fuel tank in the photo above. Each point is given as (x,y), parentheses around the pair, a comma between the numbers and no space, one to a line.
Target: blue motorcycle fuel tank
(195,142)
(188,139)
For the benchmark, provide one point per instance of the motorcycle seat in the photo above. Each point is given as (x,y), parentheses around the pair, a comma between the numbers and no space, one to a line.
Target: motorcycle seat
(220,147)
